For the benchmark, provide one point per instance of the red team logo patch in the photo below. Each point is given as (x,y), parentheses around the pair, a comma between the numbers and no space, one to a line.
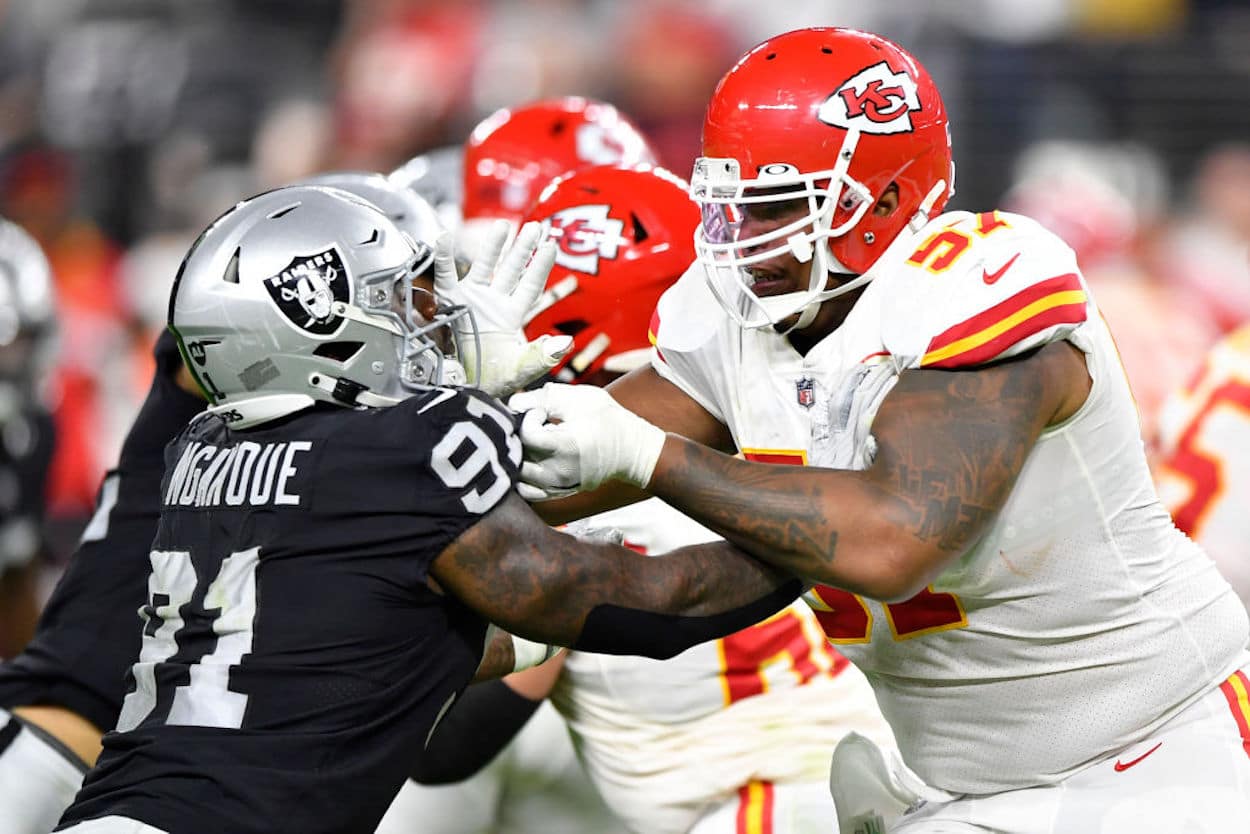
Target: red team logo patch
(875,100)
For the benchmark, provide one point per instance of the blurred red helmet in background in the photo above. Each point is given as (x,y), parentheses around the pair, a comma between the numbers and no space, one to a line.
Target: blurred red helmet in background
(625,234)
(512,154)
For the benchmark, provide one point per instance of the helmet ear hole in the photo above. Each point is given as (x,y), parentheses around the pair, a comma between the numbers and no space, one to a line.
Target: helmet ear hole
(231,275)
(339,351)
(640,231)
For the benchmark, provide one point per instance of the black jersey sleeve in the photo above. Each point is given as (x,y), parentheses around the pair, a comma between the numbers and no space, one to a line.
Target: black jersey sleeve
(167,409)
(431,466)
(474,453)
(88,633)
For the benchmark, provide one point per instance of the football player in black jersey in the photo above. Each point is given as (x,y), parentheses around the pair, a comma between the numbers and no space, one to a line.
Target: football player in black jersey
(66,687)
(336,532)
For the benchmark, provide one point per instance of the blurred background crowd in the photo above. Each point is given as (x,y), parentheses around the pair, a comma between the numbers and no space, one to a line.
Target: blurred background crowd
(126,126)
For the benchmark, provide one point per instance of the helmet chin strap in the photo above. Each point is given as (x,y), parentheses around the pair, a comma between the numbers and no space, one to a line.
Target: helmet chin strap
(806,317)
(826,264)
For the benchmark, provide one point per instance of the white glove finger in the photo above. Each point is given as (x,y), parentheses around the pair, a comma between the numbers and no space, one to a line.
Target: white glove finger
(529,493)
(543,443)
(548,478)
(445,275)
(564,402)
(538,357)
(554,348)
(535,495)
(534,279)
(532,420)
(527,402)
(513,264)
(484,265)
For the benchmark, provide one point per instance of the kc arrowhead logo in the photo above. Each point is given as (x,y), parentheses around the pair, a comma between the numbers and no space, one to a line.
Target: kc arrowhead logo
(583,235)
(875,100)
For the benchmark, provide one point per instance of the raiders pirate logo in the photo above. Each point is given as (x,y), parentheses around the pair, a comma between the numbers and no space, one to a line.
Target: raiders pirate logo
(875,100)
(583,235)
(306,290)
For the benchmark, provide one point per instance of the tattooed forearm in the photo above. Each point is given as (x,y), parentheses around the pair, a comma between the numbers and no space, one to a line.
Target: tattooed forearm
(542,584)
(758,506)
(950,445)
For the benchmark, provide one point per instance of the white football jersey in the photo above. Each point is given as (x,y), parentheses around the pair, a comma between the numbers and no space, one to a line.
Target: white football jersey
(664,741)
(1204,470)
(1082,619)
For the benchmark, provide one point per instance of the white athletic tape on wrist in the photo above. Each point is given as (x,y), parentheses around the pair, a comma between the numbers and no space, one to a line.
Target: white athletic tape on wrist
(646,454)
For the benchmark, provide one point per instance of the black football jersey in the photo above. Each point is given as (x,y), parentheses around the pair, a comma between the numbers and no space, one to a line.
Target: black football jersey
(87,635)
(294,657)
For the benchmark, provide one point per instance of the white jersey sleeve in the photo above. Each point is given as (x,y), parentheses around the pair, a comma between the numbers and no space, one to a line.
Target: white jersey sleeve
(980,288)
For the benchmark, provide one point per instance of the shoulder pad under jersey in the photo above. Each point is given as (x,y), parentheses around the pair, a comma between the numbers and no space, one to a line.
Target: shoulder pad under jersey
(980,287)
(687,316)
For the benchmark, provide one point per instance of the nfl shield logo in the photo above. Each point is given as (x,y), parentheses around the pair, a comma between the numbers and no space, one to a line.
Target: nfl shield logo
(805,389)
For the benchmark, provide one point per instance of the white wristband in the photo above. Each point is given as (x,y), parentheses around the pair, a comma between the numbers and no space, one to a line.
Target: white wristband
(527,653)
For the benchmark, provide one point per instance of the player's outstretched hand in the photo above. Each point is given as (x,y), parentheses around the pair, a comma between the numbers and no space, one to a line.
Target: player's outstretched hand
(500,291)
(576,437)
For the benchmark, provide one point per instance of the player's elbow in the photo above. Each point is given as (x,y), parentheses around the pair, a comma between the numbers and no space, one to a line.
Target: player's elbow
(893,588)
(898,568)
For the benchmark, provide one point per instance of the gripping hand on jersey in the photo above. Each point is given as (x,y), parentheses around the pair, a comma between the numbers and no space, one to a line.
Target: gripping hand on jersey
(576,437)
(500,291)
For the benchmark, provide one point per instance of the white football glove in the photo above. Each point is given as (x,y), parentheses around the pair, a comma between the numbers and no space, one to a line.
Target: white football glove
(593,439)
(500,291)
(591,530)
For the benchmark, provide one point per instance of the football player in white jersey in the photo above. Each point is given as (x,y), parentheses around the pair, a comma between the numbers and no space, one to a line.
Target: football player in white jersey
(1049,650)
(1204,469)
(733,735)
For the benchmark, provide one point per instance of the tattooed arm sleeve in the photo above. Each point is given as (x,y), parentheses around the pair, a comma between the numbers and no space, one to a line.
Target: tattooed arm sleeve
(950,445)
(544,585)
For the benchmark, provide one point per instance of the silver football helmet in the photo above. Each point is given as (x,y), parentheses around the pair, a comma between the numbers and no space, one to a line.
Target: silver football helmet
(28,320)
(309,294)
(405,207)
(437,177)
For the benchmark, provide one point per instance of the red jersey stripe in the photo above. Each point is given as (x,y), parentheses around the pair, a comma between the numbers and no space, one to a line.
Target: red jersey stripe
(1062,290)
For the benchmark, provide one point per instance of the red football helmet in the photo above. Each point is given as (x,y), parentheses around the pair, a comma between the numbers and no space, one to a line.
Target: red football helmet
(832,116)
(625,234)
(511,155)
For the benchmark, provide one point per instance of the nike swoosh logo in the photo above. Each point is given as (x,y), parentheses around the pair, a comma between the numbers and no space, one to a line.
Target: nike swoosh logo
(1120,766)
(991,277)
